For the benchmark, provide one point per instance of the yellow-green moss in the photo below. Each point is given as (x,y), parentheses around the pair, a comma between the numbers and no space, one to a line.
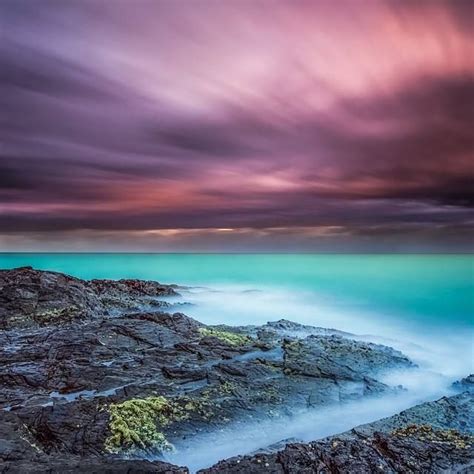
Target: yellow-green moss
(428,433)
(199,406)
(271,395)
(54,314)
(292,346)
(232,338)
(136,424)
(227,387)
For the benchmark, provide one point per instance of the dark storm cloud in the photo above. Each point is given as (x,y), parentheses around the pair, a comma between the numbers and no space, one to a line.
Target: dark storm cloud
(32,70)
(426,150)
(173,117)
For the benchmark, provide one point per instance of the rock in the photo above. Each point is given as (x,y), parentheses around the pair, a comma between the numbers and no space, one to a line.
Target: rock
(132,295)
(456,412)
(32,298)
(337,357)
(20,453)
(286,328)
(75,465)
(465,384)
(388,446)
(82,361)
(130,287)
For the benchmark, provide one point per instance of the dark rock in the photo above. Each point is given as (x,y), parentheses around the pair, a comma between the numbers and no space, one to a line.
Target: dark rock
(75,465)
(335,357)
(73,351)
(32,298)
(286,328)
(465,384)
(129,295)
(456,412)
(21,453)
(386,446)
(177,322)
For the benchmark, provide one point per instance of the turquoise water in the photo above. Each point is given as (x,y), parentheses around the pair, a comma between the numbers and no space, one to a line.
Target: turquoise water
(436,290)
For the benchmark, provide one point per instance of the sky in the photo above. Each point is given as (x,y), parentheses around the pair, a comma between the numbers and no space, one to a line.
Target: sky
(202,125)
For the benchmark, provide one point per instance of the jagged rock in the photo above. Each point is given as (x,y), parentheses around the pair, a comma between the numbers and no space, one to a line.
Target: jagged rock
(104,344)
(430,443)
(73,465)
(465,384)
(22,453)
(32,298)
(128,295)
(286,328)
(456,412)
(131,287)
(336,357)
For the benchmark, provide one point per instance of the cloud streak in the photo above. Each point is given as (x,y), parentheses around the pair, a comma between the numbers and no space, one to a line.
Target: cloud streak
(157,116)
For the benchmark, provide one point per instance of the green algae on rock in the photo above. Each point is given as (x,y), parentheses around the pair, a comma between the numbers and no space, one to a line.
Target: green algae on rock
(135,424)
(59,315)
(428,433)
(232,338)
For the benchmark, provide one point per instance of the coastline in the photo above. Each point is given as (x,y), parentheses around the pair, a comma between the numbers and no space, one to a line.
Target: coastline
(98,372)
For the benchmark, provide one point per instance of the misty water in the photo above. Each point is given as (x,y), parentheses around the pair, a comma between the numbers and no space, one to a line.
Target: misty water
(422,305)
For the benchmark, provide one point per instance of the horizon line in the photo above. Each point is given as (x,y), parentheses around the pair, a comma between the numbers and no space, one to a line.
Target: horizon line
(226,253)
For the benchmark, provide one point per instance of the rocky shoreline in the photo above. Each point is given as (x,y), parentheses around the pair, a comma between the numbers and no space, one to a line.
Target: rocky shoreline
(104,376)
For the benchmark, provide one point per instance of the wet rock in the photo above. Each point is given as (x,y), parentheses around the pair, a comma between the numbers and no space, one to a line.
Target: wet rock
(61,381)
(32,298)
(286,328)
(128,295)
(21,453)
(107,345)
(465,384)
(75,465)
(456,412)
(131,287)
(378,454)
(429,443)
(335,357)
